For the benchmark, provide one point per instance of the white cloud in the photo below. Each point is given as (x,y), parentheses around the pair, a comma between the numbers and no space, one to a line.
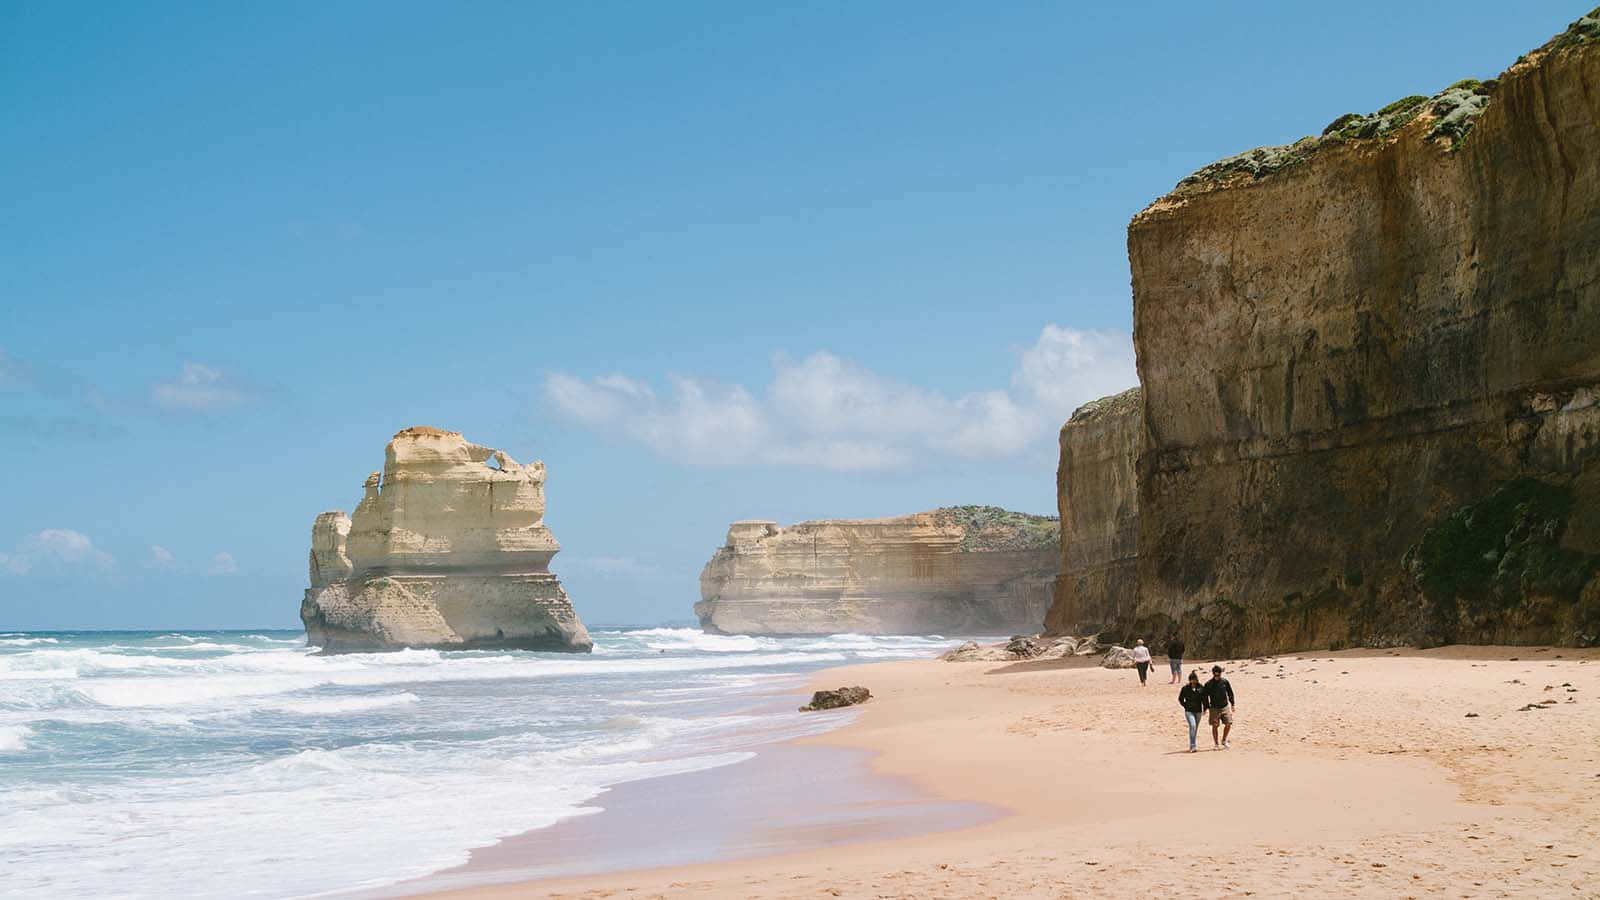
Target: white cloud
(55,551)
(161,558)
(610,567)
(1067,368)
(202,389)
(223,564)
(827,412)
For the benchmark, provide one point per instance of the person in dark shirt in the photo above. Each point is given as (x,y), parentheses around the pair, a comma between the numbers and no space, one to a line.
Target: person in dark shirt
(1175,656)
(1192,698)
(1219,699)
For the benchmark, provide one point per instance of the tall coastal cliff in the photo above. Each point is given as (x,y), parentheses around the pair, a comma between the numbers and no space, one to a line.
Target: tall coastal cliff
(1370,369)
(1097,493)
(958,570)
(447,549)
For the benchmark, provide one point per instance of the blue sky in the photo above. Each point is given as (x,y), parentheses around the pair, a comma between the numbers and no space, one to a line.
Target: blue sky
(708,261)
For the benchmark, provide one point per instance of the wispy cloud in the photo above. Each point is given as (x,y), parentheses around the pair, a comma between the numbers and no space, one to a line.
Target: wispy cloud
(827,412)
(223,564)
(204,390)
(40,402)
(161,558)
(55,551)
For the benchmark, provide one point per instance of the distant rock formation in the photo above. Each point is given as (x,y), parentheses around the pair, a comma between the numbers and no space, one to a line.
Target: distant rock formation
(447,550)
(1097,493)
(1370,369)
(959,570)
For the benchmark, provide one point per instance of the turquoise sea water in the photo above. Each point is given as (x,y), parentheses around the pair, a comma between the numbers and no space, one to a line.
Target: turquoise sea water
(242,764)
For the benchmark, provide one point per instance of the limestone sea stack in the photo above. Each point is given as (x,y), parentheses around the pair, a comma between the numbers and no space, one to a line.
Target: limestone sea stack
(447,550)
(957,570)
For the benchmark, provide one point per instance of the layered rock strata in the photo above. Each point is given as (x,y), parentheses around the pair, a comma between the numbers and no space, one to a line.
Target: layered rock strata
(1370,366)
(959,570)
(447,549)
(1098,497)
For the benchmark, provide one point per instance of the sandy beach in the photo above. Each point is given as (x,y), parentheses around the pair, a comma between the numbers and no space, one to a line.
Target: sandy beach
(1354,773)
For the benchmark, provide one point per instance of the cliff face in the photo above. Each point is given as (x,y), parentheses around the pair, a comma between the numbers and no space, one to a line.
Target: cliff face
(961,570)
(1371,367)
(1097,493)
(447,549)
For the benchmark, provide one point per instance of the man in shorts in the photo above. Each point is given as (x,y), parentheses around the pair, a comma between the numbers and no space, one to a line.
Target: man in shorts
(1175,656)
(1219,697)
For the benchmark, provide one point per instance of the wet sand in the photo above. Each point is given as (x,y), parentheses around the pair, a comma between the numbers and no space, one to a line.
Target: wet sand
(787,798)
(1352,774)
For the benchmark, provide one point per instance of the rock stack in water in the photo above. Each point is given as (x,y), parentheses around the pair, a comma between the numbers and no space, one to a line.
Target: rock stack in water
(447,549)
(958,570)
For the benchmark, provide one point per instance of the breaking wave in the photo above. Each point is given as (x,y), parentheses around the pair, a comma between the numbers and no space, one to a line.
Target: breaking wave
(225,743)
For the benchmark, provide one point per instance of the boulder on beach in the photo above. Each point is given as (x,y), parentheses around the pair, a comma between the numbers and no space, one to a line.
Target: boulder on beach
(969,651)
(1021,647)
(1118,658)
(845,696)
(1024,647)
(1059,648)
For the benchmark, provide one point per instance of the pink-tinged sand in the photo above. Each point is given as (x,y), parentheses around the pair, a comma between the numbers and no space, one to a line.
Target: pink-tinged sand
(1352,774)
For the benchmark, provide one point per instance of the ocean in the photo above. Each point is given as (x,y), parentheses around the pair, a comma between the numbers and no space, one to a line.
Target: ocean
(243,764)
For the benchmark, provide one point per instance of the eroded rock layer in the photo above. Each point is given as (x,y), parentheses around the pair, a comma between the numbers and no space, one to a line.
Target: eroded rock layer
(447,549)
(958,570)
(1371,375)
(1098,496)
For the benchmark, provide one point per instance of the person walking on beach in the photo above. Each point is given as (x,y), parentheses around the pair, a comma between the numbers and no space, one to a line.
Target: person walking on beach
(1175,656)
(1141,659)
(1219,699)
(1192,697)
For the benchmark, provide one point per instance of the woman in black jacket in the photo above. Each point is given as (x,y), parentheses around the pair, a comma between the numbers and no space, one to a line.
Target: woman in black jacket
(1193,700)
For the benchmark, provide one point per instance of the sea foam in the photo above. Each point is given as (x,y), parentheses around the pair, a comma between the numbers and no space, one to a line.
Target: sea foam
(14,737)
(228,743)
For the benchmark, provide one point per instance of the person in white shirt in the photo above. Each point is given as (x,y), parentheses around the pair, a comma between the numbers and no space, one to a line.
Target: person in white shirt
(1141,659)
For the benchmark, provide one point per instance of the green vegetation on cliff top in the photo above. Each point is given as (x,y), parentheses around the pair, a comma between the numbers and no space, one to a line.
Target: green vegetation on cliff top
(1582,31)
(1454,109)
(1116,404)
(993,528)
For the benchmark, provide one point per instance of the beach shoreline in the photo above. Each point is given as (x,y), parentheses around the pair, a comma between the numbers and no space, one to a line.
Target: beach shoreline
(827,794)
(1353,773)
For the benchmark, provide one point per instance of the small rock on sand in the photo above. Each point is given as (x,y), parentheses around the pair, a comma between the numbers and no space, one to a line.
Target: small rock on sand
(1118,658)
(845,696)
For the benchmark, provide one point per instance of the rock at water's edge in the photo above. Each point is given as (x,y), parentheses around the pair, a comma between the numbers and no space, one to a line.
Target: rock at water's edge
(845,696)
(447,550)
